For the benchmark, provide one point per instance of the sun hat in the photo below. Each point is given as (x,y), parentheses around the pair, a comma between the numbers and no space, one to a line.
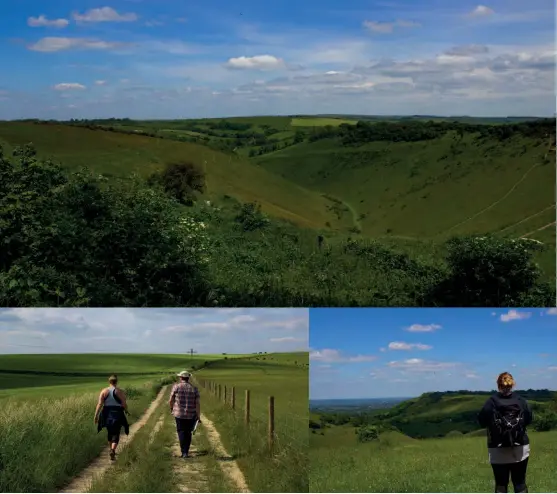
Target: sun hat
(184,374)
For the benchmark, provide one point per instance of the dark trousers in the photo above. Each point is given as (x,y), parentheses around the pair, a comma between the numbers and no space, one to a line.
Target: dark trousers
(516,471)
(184,427)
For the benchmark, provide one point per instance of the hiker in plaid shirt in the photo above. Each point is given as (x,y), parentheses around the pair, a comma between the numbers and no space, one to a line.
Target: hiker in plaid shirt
(185,406)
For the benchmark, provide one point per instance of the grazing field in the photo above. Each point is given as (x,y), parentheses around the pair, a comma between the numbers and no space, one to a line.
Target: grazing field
(50,404)
(396,463)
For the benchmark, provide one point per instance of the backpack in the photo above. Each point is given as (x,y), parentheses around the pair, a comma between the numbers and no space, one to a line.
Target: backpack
(508,427)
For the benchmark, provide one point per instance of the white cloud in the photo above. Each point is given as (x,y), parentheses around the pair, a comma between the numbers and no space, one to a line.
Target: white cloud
(552,368)
(100,83)
(150,330)
(104,14)
(514,315)
(335,356)
(382,349)
(420,365)
(42,21)
(259,62)
(388,27)
(69,86)
(400,345)
(552,312)
(481,11)
(423,328)
(472,375)
(53,44)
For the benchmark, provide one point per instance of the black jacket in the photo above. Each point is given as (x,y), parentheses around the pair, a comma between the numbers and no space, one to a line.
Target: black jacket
(114,416)
(497,400)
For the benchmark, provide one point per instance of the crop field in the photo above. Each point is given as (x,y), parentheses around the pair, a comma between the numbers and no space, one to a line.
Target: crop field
(397,463)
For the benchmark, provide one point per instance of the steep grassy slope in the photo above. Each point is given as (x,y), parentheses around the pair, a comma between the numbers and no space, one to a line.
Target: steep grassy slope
(430,188)
(118,155)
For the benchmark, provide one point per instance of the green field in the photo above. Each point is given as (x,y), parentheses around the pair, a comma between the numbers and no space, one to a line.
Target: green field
(320,122)
(48,403)
(396,463)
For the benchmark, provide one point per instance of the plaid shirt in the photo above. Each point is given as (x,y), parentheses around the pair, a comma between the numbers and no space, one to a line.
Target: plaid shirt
(185,397)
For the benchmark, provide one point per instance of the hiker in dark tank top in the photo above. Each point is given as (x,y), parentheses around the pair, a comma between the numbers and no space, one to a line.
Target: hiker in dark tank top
(505,416)
(112,402)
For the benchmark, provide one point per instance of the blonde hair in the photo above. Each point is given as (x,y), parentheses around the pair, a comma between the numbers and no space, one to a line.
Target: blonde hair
(113,379)
(505,381)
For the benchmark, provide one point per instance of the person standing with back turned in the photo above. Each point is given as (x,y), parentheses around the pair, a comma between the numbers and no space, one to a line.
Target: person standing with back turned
(186,408)
(506,416)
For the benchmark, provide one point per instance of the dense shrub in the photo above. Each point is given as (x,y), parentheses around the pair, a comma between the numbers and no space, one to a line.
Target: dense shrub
(367,433)
(545,421)
(492,272)
(73,240)
(181,181)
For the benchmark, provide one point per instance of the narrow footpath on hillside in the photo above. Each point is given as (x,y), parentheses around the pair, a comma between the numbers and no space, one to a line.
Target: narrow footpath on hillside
(209,469)
(100,465)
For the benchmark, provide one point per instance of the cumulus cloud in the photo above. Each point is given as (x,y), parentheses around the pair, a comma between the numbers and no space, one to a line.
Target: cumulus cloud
(481,11)
(69,86)
(328,355)
(54,44)
(259,62)
(104,14)
(423,328)
(400,345)
(388,27)
(42,21)
(514,315)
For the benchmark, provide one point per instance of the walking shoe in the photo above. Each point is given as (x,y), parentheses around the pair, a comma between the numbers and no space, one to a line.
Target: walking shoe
(112,455)
(185,455)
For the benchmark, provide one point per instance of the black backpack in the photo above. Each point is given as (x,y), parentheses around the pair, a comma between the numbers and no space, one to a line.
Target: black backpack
(508,427)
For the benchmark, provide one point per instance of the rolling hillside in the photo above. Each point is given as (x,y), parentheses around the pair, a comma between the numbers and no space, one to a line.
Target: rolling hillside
(429,189)
(116,154)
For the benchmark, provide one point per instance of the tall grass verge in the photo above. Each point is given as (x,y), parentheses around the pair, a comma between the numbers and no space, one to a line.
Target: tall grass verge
(45,443)
(285,470)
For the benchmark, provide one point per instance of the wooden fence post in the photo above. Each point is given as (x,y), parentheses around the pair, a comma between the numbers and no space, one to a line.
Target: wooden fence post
(271,422)
(224,394)
(246,409)
(233,397)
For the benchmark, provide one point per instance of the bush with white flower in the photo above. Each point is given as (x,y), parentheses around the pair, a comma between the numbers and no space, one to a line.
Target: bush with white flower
(195,241)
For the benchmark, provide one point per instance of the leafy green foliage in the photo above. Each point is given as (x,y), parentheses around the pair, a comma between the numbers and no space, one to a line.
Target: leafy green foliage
(489,271)
(367,433)
(251,217)
(73,240)
(181,181)
(545,421)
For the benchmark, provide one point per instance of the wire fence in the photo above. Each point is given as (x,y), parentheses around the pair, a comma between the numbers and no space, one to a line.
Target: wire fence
(260,412)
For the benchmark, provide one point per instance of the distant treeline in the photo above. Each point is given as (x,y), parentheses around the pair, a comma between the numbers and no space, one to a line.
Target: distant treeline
(422,418)
(412,131)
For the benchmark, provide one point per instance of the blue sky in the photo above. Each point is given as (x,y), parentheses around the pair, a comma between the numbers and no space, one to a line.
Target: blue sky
(152,330)
(380,353)
(171,59)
